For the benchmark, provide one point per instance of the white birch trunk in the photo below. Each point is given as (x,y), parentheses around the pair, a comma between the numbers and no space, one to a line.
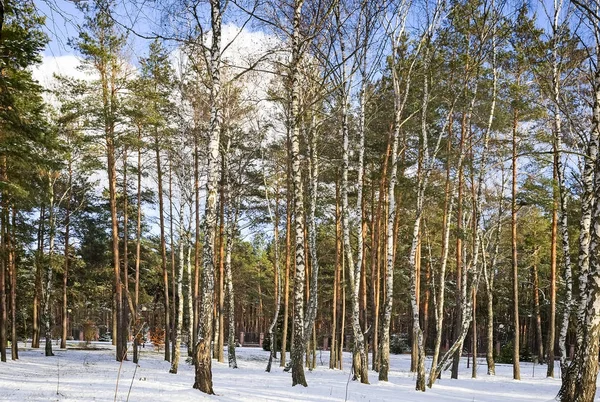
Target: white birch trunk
(188,286)
(203,363)
(297,352)
(421,186)
(470,288)
(229,233)
(179,301)
(47,312)
(562,191)
(276,271)
(359,355)
(399,104)
(579,383)
(313,172)
(440,299)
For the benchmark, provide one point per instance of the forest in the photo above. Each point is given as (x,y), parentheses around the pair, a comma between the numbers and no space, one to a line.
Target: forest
(359,176)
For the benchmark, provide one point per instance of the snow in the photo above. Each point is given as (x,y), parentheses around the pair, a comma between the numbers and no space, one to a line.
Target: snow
(91,375)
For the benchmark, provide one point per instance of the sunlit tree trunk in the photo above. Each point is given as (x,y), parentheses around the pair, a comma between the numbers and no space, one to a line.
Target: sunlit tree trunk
(172,247)
(552,319)
(196,285)
(65,322)
(359,355)
(163,248)
(560,189)
(12,269)
(515,262)
(124,331)
(138,232)
(220,319)
(313,172)
(231,213)
(440,297)
(37,294)
(298,346)
(203,370)
(178,301)
(188,284)
(47,314)
(336,279)
(3,261)
(276,273)
(579,382)
(384,355)
(536,307)
(288,253)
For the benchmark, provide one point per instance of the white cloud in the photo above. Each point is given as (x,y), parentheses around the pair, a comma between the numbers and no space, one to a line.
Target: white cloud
(67,65)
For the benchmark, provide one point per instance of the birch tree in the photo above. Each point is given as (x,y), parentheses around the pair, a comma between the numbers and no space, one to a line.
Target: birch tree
(359,353)
(297,352)
(579,382)
(203,364)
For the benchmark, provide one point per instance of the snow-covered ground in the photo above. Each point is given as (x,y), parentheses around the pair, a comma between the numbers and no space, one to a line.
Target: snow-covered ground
(91,375)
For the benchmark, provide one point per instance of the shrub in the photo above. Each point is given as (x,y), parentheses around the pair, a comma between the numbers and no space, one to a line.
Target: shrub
(157,337)
(399,344)
(89,331)
(506,354)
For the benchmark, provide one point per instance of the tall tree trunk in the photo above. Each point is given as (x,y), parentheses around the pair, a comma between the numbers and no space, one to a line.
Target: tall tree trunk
(414,254)
(288,254)
(196,286)
(297,355)
(450,196)
(112,184)
(138,232)
(381,248)
(566,252)
(163,248)
(220,331)
(37,294)
(231,215)
(203,371)
(384,355)
(359,354)
(536,307)
(276,273)
(343,308)
(336,279)
(552,320)
(360,365)
(172,255)
(459,249)
(12,266)
(65,318)
(178,299)
(108,71)
(188,284)
(49,269)
(489,351)
(428,287)
(124,337)
(3,281)
(585,382)
(468,289)
(560,192)
(474,329)
(515,266)
(489,277)
(3,265)
(583,369)
(313,172)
